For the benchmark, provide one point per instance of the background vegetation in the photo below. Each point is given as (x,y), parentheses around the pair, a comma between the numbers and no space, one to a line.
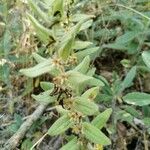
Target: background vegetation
(86,59)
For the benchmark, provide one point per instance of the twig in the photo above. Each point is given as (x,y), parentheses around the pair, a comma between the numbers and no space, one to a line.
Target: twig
(140,83)
(113,119)
(1,116)
(19,135)
(145,141)
(135,11)
(39,141)
(50,109)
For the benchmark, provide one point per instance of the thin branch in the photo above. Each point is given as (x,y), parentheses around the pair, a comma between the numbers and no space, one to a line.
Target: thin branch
(39,141)
(19,135)
(145,141)
(135,11)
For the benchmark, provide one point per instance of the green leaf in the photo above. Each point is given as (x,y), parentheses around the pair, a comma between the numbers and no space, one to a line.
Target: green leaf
(132,111)
(26,144)
(38,58)
(141,1)
(93,134)
(124,116)
(15,126)
(6,44)
(71,145)
(85,106)
(91,93)
(2,27)
(77,78)
(92,52)
(104,98)
(86,24)
(28,87)
(38,11)
(41,68)
(44,34)
(116,46)
(146,58)
(61,110)
(79,17)
(137,98)
(146,121)
(132,47)
(101,78)
(78,81)
(127,37)
(58,6)
(46,85)
(83,66)
(81,44)
(5,72)
(146,111)
(60,126)
(128,79)
(100,120)
(65,46)
(95,82)
(91,71)
(126,63)
(44,97)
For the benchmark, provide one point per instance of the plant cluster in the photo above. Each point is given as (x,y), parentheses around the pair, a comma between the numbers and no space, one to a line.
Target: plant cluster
(73,87)
(89,61)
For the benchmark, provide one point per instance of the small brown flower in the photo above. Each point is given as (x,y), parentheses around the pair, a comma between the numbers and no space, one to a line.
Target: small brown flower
(77,129)
(60,80)
(76,117)
(68,103)
(72,60)
(58,63)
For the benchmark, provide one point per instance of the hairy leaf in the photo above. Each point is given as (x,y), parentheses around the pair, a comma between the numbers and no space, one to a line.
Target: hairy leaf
(71,145)
(93,134)
(41,68)
(137,98)
(91,93)
(44,97)
(81,44)
(37,10)
(128,79)
(85,106)
(44,34)
(60,126)
(83,66)
(38,58)
(90,51)
(46,85)
(100,120)
(146,58)
(127,37)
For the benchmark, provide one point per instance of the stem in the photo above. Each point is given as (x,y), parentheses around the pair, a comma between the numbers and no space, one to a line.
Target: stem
(19,135)
(135,11)
(39,141)
(145,141)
